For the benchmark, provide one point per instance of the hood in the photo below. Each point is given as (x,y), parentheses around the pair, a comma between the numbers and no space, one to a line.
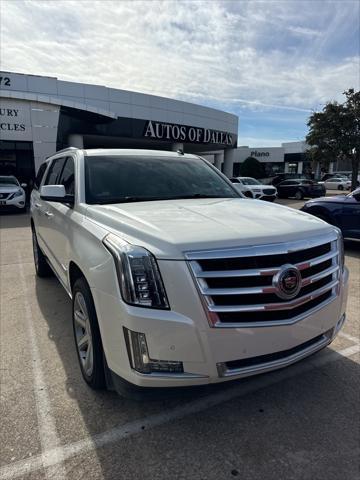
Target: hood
(169,228)
(334,199)
(9,188)
(252,187)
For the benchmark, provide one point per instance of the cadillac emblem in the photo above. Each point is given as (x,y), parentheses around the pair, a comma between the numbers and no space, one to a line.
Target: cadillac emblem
(287,282)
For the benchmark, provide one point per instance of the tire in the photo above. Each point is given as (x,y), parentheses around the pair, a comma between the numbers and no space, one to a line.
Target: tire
(299,195)
(87,336)
(42,268)
(340,187)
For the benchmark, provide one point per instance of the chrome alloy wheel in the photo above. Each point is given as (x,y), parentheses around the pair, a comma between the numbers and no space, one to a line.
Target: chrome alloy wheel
(83,335)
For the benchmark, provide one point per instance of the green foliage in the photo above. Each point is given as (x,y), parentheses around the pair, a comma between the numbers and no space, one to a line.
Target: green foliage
(251,167)
(335,132)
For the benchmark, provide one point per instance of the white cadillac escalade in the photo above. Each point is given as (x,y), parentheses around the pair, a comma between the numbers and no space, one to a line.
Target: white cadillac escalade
(177,280)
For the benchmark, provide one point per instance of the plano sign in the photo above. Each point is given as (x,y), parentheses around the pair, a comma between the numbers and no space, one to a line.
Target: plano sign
(184,133)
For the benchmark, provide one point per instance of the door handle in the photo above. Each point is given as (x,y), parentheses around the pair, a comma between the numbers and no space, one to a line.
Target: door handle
(49,214)
(37,205)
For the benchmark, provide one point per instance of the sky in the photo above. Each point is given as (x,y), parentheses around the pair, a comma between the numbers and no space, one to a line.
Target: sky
(271,63)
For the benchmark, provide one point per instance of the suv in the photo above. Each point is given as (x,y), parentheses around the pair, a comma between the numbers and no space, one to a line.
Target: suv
(175,279)
(252,188)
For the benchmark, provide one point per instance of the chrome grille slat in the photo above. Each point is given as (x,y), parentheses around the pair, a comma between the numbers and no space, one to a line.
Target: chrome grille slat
(274,306)
(265,289)
(258,250)
(255,271)
(234,296)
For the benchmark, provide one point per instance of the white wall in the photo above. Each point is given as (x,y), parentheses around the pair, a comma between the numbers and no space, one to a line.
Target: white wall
(122,103)
(23,120)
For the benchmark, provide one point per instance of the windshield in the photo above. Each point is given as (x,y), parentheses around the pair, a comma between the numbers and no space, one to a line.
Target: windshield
(116,179)
(249,181)
(8,181)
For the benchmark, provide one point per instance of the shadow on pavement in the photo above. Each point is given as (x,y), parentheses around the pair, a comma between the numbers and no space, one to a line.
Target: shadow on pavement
(11,220)
(290,429)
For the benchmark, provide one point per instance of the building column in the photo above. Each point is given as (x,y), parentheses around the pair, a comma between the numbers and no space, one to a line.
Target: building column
(177,146)
(229,158)
(219,158)
(286,167)
(76,141)
(331,167)
(300,167)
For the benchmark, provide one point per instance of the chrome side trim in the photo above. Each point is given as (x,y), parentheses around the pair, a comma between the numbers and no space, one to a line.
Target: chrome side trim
(175,376)
(260,250)
(274,306)
(223,371)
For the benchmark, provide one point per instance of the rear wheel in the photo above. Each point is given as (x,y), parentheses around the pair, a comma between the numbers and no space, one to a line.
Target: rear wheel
(299,195)
(340,187)
(87,336)
(41,266)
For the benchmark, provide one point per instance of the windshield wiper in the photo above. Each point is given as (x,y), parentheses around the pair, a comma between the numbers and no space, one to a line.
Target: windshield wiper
(130,199)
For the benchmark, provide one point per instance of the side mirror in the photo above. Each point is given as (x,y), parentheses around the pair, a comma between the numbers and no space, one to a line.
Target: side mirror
(24,185)
(357,196)
(55,193)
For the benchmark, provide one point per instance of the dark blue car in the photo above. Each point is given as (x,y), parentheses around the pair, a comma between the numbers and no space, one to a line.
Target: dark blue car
(343,211)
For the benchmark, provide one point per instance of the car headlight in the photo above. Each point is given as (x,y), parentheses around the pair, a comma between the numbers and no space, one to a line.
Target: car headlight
(138,274)
(18,193)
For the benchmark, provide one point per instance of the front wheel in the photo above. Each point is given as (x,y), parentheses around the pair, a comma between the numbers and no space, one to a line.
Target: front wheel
(299,195)
(340,187)
(41,266)
(87,336)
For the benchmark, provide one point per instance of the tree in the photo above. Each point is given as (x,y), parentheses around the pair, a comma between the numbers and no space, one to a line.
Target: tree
(252,168)
(335,132)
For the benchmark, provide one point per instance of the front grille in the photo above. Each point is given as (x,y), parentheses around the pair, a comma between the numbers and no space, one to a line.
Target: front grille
(238,289)
(4,196)
(269,191)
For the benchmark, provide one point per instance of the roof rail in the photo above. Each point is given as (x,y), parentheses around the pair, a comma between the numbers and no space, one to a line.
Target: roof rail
(66,150)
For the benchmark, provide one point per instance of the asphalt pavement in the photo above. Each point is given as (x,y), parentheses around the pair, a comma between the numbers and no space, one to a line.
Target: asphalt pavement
(299,423)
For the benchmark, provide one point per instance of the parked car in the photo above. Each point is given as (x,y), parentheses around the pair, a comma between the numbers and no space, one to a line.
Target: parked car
(326,176)
(175,279)
(300,188)
(343,211)
(337,183)
(12,194)
(252,188)
(280,177)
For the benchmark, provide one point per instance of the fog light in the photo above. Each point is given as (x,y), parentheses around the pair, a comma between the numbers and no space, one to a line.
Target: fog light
(139,356)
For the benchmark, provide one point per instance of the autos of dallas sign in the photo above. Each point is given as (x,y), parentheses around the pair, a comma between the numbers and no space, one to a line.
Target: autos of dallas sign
(184,133)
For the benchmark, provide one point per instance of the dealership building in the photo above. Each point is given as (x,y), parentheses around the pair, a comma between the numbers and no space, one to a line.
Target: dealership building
(40,115)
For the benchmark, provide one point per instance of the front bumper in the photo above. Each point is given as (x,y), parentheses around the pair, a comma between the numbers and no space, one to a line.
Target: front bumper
(183,334)
(17,203)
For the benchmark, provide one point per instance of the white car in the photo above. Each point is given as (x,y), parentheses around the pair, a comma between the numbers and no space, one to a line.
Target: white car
(337,183)
(175,279)
(12,194)
(252,188)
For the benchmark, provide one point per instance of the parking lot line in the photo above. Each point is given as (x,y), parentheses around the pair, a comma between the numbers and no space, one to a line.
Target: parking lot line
(55,456)
(46,424)
(349,337)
